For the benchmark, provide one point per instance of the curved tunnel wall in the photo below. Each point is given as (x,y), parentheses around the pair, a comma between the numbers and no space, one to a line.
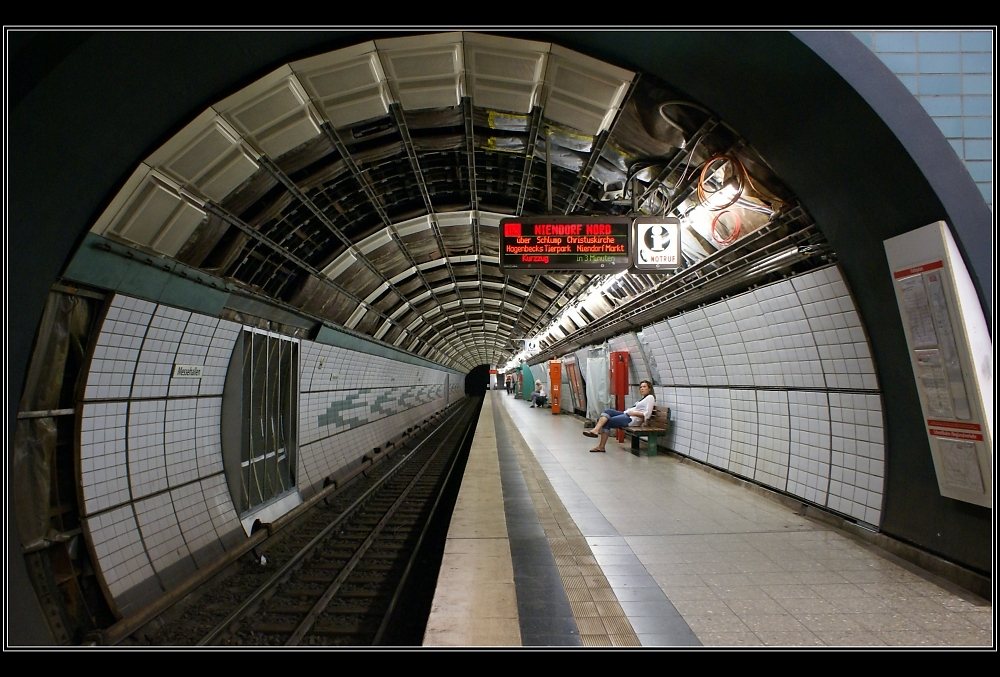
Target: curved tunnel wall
(156,502)
(846,140)
(776,385)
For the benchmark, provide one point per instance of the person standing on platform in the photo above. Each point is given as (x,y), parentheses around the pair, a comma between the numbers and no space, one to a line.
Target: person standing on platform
(612,419)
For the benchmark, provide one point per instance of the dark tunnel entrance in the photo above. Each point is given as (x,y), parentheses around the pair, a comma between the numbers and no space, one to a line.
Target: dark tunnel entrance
(477,381)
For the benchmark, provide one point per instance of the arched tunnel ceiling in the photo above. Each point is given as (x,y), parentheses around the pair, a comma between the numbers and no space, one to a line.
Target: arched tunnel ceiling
(364,186)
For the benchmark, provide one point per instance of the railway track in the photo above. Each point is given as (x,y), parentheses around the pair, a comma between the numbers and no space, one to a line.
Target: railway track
(336,575)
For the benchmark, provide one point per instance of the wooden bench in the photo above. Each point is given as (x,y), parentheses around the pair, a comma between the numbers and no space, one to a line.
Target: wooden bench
(656,426)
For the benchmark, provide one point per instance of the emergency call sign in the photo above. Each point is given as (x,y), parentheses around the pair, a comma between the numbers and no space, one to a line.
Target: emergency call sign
(565,243)
(657,243)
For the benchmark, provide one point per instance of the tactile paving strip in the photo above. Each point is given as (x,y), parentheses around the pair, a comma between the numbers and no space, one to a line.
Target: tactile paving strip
(599,618)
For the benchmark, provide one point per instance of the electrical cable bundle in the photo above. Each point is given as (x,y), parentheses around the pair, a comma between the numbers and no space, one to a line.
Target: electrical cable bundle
(733,234)
(739,174)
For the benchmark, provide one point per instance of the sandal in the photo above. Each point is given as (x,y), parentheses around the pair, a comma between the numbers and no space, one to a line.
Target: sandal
(596,450)
(587,433)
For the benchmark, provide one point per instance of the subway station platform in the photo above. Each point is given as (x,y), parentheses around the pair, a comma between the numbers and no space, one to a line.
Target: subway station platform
(553,546)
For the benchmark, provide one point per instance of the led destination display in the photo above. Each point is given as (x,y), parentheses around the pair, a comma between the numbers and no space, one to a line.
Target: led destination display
(565,243)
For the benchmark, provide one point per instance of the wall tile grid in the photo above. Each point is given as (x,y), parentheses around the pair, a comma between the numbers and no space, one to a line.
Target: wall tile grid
(706,347)
(155,496)
(112,368)
(771,357)
(159,348)
(180,437)
(836,326)
(743,453)
(687,349)
(783,354)
(103,469)
(146,452)
(680,402)
(161,535)
(772,438)
(123,560)
(746,326)
(196,523)
(720,426)
(809,462)
(219,506)
(192,349)
(666,353)
(857,463)
(147,438)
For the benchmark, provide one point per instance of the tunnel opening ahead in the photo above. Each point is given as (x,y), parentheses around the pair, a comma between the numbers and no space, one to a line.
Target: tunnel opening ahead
(477,381)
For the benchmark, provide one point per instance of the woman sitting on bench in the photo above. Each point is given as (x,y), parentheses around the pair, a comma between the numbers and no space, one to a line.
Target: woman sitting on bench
(611,419)
(538,396)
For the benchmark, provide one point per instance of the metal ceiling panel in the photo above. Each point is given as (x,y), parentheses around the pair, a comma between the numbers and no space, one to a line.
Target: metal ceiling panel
(206,156)
(582,92)
(504,74)
(273,113)
(348,85)
(339,265)
(154,215)
(424,71)
(374,241)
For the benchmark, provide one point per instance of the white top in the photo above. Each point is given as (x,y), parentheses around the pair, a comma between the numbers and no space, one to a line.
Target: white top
(644,406)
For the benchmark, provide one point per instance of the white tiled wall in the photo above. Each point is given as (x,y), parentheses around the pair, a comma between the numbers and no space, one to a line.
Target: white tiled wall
(112,369)
(147,438)
(687,348)
(159,351)
(772,438)
(156,501)
(700,415)
(161,534)
(119,549)
(836,326)
(778,385)
(782,351)
(103,471)
(707,346)
(720,427)
(220,508)
(666,353)
(736,362)
(809,465)
(679,401)
(180,431)
(146,452)
(857,461)
(195,523)
(743,457)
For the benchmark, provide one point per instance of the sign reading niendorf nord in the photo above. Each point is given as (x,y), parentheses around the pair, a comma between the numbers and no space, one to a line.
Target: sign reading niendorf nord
(544,243)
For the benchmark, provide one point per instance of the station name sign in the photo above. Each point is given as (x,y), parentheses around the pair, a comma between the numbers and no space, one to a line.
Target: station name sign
(188,371)
(566,243)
